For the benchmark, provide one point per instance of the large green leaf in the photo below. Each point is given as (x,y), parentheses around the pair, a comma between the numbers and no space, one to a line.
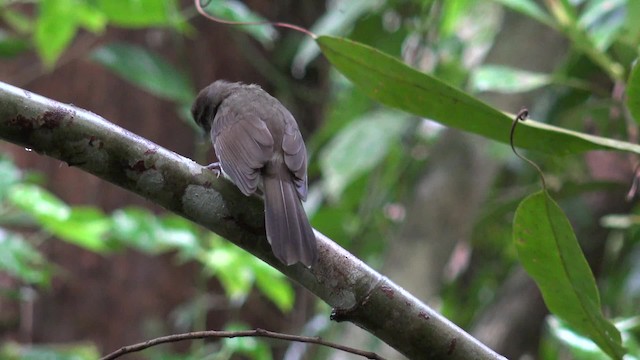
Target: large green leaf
(549,252)
(395,84)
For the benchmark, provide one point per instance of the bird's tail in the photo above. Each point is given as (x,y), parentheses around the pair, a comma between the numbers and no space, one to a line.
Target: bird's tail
(288,230)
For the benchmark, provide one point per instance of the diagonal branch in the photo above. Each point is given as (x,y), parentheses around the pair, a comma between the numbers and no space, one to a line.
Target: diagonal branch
(358,293)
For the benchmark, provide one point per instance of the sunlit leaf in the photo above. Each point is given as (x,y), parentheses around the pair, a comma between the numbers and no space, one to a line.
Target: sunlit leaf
(55,28)
(395,84)
(452,12)
(146,70)
(583,348)
(86,227)
(57,24)
(549,252)
(39,203)
(507,80)
(139,13)
(90,18)
(226,263)
(178,232)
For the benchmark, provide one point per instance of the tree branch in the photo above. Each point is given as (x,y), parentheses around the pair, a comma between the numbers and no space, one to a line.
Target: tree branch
(358,293)
(232,334)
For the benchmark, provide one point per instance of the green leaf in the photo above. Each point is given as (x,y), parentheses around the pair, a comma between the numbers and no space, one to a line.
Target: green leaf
(274,286)
(507,80)
(529,8)
(178,232)
(549,252)
(395,84)
(10,175)
(583,348)
(452,12)
(565,14)
(18,258)
(57,24)
(359,147)
(55,28)
(238,271)
(140,13)
(580,346)
(631,23)
(90,18)
(143,230)
(20,23)
(226,264)
(233,10)
(11,46)
(633,92)
(146,70)
(136,228)
(86,227)
(604,20)
(39,203)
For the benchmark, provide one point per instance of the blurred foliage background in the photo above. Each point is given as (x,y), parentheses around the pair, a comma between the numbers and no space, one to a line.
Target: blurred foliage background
(86,268)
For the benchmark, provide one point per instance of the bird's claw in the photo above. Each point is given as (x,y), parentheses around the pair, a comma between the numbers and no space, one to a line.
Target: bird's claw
(215,167)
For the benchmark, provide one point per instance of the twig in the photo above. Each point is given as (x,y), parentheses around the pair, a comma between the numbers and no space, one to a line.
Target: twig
(522,115)
(199,7)
(232,334)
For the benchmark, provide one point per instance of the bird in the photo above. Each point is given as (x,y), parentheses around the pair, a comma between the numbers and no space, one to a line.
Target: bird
(260,149)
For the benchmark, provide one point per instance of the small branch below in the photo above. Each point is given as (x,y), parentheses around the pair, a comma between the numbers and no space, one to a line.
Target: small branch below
(231,334)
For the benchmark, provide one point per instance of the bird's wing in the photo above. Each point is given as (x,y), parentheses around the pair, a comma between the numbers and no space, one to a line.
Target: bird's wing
(243,145)
(295,155)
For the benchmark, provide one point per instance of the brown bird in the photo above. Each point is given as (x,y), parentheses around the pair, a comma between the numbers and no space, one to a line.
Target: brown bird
(259,146)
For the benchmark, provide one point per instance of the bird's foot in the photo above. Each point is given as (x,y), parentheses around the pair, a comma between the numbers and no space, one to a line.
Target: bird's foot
(215,167)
